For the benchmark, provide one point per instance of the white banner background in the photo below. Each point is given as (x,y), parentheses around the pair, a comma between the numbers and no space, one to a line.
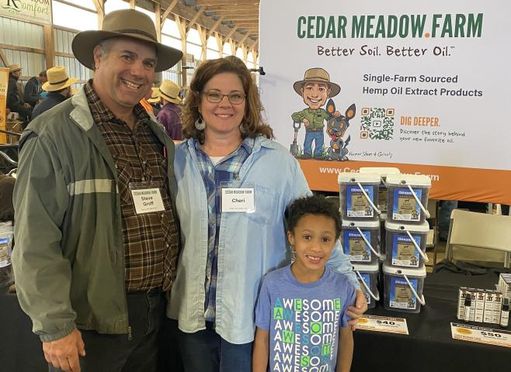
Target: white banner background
(479,63)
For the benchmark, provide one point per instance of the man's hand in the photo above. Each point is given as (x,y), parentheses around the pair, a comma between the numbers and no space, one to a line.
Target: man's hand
(355,312)
(306,123)
(64,353)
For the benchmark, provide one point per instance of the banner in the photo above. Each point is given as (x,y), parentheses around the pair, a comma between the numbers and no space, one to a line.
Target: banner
(4,80)
(27,10)
(419,86)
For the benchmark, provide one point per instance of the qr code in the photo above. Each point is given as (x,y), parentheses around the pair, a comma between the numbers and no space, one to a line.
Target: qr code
(377,123)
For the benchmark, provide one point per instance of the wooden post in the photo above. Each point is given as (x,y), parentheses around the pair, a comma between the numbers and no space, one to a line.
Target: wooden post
(100,10)
(181,25)
(158,20)
(49,46)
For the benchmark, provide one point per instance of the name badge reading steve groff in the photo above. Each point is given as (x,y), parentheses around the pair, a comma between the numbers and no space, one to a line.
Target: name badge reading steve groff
(147,200)
(238,200)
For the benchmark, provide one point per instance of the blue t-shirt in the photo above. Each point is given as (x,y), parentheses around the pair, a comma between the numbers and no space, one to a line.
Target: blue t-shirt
(303,319)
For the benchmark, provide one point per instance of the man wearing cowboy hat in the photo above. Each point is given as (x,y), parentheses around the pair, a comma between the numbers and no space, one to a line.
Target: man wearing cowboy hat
(58,87)
(170,113)
(315,88)
(96,230)
(15,102)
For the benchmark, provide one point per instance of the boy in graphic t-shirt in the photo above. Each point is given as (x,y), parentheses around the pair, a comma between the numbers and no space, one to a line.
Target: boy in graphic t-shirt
(301,311)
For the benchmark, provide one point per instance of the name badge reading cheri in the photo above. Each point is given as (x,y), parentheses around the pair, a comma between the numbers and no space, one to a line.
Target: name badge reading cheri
(238,200)
(147,200)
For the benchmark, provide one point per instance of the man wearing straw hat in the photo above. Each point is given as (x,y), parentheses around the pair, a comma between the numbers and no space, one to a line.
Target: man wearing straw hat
(58,87)
(315,89)
(15,101)
(170,113)
(96,231)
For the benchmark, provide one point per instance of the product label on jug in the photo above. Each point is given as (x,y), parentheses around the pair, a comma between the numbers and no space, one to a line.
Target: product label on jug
(405,207)
(401,295)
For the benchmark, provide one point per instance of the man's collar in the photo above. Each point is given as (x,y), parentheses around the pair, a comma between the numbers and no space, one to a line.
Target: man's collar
(99,108)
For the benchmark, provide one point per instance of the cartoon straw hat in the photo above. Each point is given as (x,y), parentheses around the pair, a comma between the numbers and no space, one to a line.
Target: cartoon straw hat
(317,75)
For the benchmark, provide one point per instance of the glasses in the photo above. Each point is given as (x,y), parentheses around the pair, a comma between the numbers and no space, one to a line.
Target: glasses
(214,96)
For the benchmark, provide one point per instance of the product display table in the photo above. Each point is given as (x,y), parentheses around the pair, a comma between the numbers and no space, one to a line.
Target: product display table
(429,346)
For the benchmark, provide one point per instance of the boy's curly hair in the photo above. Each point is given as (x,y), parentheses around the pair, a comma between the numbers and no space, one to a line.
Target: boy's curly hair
(316,205)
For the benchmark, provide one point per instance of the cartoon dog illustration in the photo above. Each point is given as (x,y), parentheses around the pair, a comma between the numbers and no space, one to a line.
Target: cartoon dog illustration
(315,89)
(336,127)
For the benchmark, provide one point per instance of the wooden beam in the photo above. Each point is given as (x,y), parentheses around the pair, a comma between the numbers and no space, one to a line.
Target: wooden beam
(220,44)
(158,21)
(22,48)
(244,38)
(195,17)
(214,27)
(227,2)
(167,11)
(49,46)
(132,4)
(3,58)
(231,32)
(234,8)
(100,12)
(203,35)
(100,6)
(181,25)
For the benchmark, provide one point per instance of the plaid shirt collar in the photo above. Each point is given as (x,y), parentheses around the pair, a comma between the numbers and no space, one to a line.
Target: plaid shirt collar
(241,152)
(102,114)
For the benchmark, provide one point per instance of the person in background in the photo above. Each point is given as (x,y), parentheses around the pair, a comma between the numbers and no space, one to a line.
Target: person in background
(15,102)
(154,100)
(58,86)
(147,106)
(313,227)
(33,88)
(170,112)
(234,184)
(96,230)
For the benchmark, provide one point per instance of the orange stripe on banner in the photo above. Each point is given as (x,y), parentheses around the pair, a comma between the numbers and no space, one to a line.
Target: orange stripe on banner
(447,183)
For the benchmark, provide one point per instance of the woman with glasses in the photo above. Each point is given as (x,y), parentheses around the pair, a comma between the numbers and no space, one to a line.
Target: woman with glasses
(234,183)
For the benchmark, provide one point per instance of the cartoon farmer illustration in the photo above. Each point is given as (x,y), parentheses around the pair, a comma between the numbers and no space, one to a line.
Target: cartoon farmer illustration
(315,89)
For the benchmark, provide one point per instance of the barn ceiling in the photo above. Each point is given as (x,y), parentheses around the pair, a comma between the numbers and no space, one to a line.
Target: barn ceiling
(234,19)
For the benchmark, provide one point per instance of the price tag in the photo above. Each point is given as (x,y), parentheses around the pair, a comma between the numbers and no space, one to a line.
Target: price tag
(481,335)
(386,324)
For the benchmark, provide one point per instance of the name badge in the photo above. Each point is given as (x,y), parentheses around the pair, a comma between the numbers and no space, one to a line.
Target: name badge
(147,200)
(238,200)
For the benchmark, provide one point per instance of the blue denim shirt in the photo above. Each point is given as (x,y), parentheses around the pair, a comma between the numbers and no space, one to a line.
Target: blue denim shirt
(250,244)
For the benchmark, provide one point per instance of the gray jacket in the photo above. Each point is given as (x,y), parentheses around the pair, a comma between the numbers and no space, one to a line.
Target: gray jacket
(69,257)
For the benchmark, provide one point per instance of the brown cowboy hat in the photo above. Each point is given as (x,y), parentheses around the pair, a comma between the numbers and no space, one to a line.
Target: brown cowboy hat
(317,75)
(124,23)
(57,79)
(169,91)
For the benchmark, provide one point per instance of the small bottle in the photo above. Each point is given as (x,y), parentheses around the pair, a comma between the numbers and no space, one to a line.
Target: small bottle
(504,314)
(468,302)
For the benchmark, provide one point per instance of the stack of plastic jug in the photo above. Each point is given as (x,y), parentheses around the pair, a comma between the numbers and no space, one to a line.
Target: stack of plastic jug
(360,237)
(406,229)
